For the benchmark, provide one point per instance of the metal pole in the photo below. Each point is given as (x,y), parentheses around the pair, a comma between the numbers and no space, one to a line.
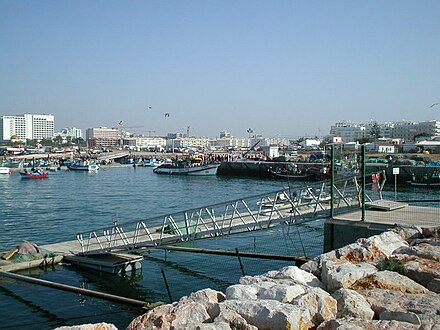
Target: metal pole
(234,254)
(363,180)
(74,289)
(332,188)
(166,284)
(239,260)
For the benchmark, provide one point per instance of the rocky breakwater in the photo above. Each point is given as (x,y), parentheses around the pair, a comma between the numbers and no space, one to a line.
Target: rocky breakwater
(388,281)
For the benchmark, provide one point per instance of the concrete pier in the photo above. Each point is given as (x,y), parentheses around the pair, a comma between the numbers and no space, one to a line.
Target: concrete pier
(344,229)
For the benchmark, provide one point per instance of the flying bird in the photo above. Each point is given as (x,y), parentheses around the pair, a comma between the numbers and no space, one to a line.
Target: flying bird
(120,123)
(434,105)
(167,114)
(150,107)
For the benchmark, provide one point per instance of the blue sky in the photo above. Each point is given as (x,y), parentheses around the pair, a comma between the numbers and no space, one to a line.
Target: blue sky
(282,68)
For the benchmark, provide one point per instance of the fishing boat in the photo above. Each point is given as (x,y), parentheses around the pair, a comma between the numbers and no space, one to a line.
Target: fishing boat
(427,181)
(5,170)
(152,162)
(34,174)
(187,167)
(83,165)
(290,172)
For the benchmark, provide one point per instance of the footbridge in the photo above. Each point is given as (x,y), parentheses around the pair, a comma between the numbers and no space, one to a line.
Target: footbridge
(248,214)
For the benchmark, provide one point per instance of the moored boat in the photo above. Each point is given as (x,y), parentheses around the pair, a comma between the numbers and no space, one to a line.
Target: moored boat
(5,170)
(83,165)
(187,167)
(427,181)
(34,174)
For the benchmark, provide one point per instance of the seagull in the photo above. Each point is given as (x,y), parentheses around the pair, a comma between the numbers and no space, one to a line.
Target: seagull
(434,105)
(120,123)
(167,114)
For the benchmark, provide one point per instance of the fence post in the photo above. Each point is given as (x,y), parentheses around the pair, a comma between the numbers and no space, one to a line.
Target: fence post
(239,260)
(332,181)
(363,180)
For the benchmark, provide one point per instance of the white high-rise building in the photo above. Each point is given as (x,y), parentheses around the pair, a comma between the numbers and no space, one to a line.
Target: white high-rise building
(27,126)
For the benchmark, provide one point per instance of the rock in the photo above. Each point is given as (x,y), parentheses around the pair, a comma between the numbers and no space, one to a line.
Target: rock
(298,275)
(209,299)
(96,326)
(426,306)
(280,292)
(408,233)
(357,324)
(387,242)
(421,270)
(290,275)
(177,315)
(408,317)
(422,250)
(265,290)
(265,314)
(312,267)
(234,320)
(316,305)
(390,281)
(336,276)
(431,232)
(241,292)
(352,304)
(420,241)
(434,285)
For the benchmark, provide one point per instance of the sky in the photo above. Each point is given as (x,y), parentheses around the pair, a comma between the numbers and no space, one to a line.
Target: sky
(280,68)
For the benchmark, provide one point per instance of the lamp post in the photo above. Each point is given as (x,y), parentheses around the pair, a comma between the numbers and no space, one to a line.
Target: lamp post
(250,131)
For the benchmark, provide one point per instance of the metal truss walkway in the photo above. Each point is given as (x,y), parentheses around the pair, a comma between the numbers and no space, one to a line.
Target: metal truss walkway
(241,215)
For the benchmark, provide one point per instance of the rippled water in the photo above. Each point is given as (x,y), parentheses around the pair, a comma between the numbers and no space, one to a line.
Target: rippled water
(56,208)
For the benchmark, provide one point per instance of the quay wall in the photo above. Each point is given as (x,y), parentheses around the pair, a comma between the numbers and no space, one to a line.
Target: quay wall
(338,233)
(259,168)
(263,169)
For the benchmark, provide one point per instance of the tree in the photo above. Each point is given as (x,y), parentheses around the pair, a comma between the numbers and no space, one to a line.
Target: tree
(375,131)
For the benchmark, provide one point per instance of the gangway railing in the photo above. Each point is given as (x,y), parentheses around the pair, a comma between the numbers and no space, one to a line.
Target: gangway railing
(259,212)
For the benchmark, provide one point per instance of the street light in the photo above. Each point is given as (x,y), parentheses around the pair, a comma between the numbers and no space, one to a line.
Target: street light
(250,131)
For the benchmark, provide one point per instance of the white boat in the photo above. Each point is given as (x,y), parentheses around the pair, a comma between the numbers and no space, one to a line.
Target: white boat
(5,170)
(152,162)
(83,165)
(187,168)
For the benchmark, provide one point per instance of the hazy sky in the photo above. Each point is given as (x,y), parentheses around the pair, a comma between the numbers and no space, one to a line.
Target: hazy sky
(282,68)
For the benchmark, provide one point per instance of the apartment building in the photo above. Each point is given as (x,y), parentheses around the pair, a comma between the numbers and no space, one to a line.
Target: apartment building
(27,126)
(349,131)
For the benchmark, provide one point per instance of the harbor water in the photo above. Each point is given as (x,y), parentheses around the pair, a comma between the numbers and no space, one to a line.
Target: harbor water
(55,209)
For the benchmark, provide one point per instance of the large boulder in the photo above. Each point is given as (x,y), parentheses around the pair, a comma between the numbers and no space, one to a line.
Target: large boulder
(179,315)
(95,326)
(421,270)
(209,299)
(290,275)
(426,306)
(359,324)
(386,243)
(316,305)
(390,281)
(423,249)
(352,304)
(335,275)
(265,314)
